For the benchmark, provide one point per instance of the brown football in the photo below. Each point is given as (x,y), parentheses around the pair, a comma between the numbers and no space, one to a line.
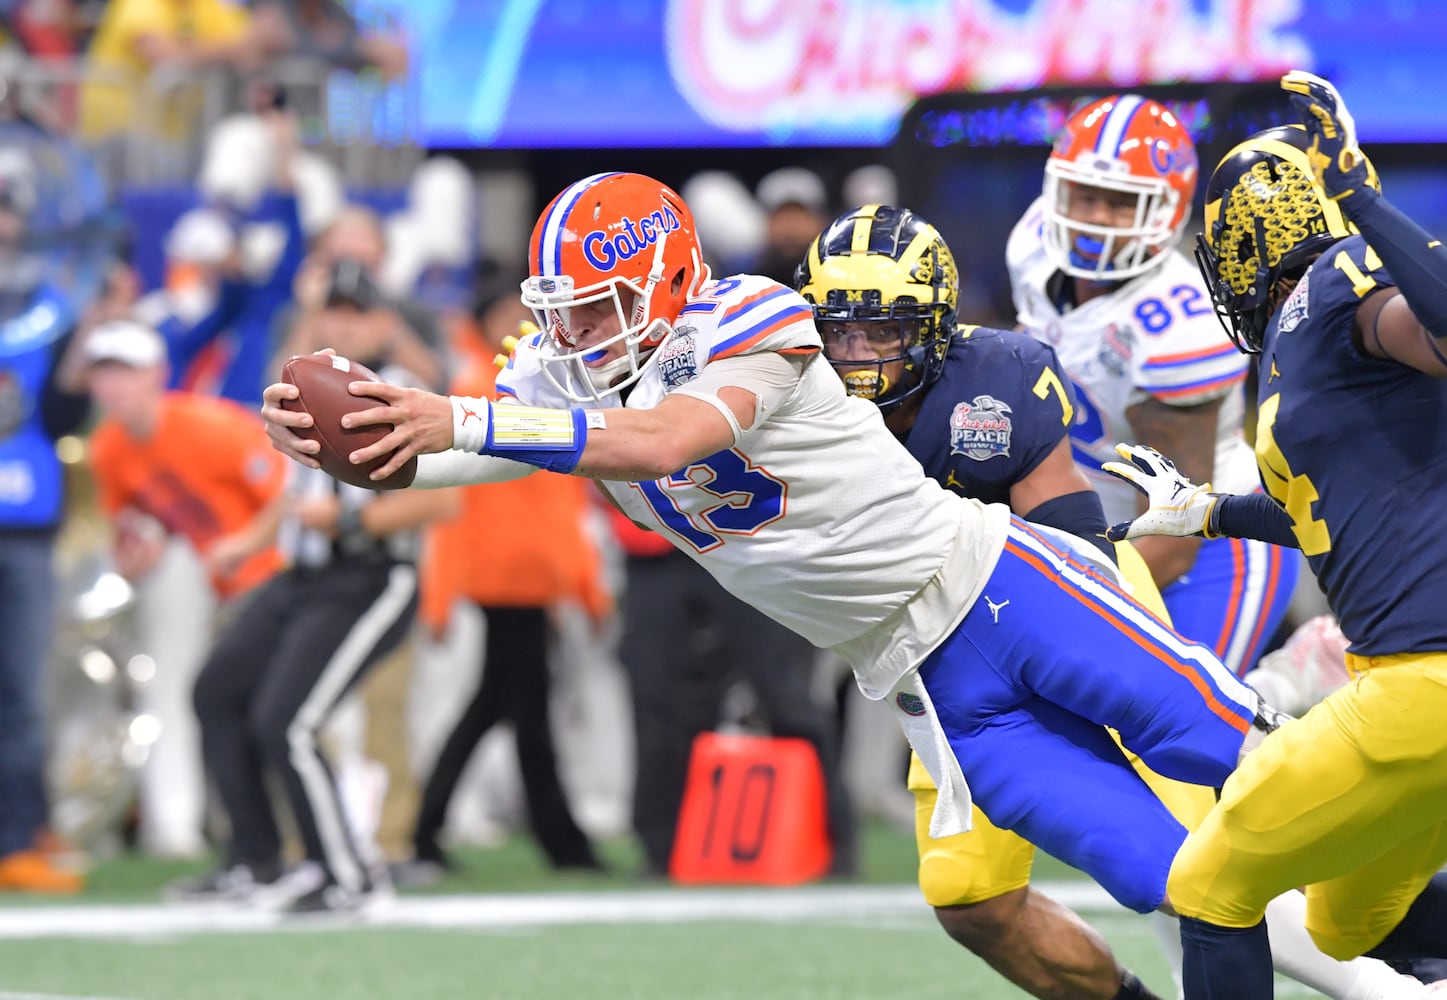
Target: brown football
(322,380)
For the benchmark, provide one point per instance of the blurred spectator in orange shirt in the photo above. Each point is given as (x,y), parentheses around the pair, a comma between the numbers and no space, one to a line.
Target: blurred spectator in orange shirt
(516,549)
(194,490)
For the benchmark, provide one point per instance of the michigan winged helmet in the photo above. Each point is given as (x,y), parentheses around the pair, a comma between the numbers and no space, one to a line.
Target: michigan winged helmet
(883,273)
(1266,219)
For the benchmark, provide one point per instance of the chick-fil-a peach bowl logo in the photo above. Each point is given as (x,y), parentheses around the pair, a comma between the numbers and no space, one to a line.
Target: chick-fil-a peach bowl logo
(787,64)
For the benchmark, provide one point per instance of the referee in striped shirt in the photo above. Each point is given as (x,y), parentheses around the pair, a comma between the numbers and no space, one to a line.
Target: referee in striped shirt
(303,640)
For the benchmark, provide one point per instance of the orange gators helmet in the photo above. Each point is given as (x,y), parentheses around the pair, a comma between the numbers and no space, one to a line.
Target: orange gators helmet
(617,237)
(1133,147)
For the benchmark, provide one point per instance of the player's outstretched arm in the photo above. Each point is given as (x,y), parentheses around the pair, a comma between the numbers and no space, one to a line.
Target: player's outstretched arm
(1179,508)
(1410,327)
(618,444)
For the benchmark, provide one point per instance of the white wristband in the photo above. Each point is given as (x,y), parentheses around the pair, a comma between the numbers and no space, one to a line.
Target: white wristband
(470,420)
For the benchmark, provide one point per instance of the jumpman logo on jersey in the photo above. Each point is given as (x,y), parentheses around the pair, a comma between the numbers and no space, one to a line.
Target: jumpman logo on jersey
(1275,373)
(466,414)
(995,609)
(952,481)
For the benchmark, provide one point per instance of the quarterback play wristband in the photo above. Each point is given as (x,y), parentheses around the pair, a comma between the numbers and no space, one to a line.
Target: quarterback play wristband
(549,439)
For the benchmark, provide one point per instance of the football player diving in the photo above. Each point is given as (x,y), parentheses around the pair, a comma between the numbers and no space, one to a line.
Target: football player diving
(987,413)
(1344,299)
(704,408)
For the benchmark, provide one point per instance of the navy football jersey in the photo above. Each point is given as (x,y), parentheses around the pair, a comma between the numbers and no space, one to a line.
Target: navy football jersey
(1355,449)
(999,407)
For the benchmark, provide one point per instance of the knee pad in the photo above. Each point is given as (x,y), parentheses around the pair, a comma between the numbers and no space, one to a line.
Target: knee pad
(945,881)
(1346,943)
(970,867)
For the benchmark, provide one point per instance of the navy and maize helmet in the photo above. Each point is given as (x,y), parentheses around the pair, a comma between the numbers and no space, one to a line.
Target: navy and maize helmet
(886,274)
(1266,219)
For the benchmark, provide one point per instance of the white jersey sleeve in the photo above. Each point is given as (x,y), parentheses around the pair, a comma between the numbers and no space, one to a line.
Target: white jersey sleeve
(745,313)
(1030,270)
(1186,358)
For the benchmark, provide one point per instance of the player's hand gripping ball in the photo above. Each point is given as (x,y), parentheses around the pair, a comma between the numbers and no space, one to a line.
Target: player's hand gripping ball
(322,380)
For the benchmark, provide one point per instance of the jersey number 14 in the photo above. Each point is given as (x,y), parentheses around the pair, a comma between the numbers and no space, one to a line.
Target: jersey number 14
(1294,492)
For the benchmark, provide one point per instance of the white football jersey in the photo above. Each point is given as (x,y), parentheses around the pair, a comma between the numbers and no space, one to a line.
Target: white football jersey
(1156,335)
(818,517)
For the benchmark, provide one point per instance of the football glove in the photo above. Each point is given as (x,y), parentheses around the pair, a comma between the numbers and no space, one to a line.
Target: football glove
(1178,507)
(510,344)
(1336,159)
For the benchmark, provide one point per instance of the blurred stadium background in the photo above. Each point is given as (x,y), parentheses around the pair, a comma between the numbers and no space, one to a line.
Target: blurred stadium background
(456,121)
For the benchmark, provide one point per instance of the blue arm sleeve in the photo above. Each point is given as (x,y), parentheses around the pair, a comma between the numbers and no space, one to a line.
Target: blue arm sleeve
(183,344)
(293,251)
(1254,515)
(61,412)
(1416,261)
(1078,513)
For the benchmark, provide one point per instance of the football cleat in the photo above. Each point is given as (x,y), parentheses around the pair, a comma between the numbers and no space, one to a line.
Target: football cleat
(229,883)
(34,871)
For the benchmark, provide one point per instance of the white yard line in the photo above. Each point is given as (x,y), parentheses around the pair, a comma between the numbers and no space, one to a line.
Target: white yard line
(52,996)
(833,903)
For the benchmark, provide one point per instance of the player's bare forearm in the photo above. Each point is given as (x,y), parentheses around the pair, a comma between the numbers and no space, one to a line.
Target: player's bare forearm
(1188,435)
(641,445)
(1056,476)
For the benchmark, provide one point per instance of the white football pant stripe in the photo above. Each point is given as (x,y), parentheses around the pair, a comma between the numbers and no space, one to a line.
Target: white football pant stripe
(1251,608)
(1226,684)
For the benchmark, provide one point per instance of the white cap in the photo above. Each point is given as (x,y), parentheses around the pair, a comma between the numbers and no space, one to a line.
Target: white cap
(200,236)
(127,342)
(871,185)
(793,186)
(730,222)
(239,162)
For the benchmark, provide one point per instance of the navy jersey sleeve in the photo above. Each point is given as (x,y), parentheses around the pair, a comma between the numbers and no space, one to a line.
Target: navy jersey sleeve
(1337,283)
(1047,400)
(1000,407)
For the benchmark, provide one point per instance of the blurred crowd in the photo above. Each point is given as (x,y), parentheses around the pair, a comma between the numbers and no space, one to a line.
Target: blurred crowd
(170,606)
